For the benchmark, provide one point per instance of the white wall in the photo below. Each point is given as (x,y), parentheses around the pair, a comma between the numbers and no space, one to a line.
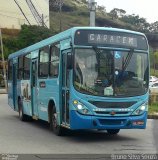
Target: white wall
(11,16)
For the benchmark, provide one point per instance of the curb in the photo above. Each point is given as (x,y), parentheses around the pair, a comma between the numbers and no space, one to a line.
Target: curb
(3,91)
(153,116)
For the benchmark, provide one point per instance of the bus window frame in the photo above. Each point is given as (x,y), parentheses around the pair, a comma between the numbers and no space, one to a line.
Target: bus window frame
(51,47)
(24,66)
(20,78)
(39,76)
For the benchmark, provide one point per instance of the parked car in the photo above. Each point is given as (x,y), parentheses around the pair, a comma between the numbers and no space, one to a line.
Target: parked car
(153,88)
(153,80)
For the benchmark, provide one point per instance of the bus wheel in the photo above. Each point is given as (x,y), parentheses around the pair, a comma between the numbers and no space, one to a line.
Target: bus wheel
(113,131)
(22,116)
(58,130)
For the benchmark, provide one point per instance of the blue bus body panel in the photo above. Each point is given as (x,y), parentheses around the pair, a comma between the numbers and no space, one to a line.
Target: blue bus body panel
(24,89)
(52,90)
(78,121)
(106,121)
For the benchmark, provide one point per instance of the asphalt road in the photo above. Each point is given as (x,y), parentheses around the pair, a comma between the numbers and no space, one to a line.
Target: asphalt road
(18,137)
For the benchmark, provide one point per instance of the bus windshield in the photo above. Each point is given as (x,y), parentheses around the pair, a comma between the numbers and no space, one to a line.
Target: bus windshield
(103,72)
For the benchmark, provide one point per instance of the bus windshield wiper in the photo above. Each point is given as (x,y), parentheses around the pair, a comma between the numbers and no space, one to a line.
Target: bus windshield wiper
(97,51)
(127,60)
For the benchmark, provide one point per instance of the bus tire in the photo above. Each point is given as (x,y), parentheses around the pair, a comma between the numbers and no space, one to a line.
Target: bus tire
(58,130)
(113,131)
(22,116)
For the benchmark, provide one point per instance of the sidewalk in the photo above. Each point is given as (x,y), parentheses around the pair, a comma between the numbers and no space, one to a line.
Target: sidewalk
(153,116)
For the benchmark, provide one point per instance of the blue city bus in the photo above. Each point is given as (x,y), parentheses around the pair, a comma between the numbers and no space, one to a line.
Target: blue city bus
(83,78)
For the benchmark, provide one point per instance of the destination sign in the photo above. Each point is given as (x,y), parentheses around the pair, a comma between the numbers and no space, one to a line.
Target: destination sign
(111,39)
(115,39)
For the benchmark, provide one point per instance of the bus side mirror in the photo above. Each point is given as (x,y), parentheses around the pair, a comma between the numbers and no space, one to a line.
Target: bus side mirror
(69,61)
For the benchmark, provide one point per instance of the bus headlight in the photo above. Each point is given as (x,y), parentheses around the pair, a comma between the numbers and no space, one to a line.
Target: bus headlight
(81,108)
(140,110)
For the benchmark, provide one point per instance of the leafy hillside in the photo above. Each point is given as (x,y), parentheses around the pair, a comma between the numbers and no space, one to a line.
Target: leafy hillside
(76,13)
(14,40)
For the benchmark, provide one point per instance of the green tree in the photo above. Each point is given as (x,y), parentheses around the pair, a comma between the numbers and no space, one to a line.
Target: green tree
(117,13)
(154,27)
(33,34)
(140,23)
(154,61)
(27,36)
(113,14)
(102,9)
(10,45)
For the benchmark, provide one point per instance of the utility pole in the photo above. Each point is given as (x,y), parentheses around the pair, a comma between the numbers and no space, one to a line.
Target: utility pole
(92,9)
(58,4)
(60,12)
(3,62)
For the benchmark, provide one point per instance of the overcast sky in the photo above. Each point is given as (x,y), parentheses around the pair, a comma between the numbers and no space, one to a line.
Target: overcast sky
(147,9)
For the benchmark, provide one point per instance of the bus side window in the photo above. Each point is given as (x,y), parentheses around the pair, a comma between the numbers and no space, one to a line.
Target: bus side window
(20,67)
(54,61)
(43,62)
(27,63)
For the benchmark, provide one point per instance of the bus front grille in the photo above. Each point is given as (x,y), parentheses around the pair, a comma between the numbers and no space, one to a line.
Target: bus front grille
(100,104)
(105,112)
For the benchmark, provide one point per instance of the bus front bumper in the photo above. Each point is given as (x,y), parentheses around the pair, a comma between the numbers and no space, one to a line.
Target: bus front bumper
(78,121)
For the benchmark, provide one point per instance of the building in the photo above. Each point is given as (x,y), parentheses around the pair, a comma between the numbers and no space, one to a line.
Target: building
(36,12)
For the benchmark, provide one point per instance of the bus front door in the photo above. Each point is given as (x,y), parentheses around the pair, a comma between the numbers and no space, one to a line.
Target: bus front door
(65,88)
(34,90)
